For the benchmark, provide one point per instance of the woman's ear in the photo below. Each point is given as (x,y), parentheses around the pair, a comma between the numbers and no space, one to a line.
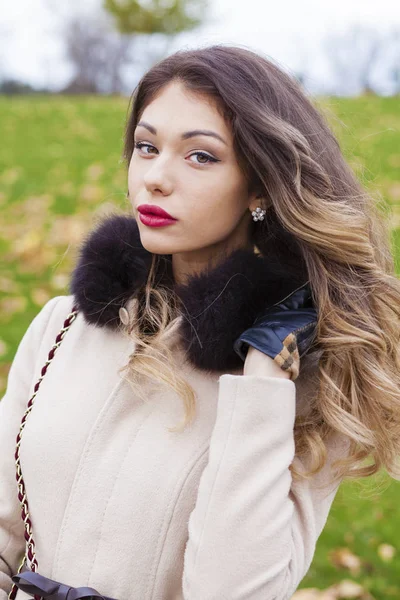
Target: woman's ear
(258,200)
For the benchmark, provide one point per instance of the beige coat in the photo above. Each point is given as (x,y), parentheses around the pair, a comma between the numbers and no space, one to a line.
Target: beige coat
(121,504)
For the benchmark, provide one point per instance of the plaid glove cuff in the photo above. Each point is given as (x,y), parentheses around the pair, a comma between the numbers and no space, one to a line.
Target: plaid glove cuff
(289,358)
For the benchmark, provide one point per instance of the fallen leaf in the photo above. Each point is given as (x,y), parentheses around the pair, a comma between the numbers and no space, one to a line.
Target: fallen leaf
(28,243)
(40,296)
(94,171)
(91,192)
(9,176)
(344,558)
(394,192)
(386,552)
(307,594)
(66,230)
(31,212)
(347,589)
(13,304)
(8,285)
(60,281)
(33,253)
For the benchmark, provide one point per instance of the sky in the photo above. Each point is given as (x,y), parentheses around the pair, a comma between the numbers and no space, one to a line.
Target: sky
(291,32)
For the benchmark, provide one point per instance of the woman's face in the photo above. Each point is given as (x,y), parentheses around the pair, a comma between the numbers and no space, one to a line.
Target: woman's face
(195,177)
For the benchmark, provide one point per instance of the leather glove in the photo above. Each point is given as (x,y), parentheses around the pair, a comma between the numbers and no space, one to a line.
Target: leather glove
(284,331)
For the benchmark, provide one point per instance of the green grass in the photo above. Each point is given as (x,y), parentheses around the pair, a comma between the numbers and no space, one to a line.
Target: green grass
(361,519)
(60,168)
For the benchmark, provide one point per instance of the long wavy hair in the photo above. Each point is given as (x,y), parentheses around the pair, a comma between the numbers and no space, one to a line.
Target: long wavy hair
(287,151)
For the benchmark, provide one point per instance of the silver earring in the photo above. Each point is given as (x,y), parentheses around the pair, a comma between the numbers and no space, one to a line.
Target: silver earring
(258,214)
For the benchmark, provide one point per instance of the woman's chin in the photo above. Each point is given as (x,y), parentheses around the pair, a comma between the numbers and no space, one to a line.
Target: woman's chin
(156,243)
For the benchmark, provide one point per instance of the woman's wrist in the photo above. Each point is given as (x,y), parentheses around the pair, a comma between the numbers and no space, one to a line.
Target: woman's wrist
(258,363)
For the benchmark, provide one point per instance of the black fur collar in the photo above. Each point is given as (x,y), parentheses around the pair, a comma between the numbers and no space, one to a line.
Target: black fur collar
(219,304)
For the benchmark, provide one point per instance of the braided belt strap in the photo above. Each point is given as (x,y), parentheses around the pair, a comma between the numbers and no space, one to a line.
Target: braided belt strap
(31,581)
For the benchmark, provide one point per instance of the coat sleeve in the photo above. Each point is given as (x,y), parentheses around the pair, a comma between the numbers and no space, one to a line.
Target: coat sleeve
(253,530)
(12,407)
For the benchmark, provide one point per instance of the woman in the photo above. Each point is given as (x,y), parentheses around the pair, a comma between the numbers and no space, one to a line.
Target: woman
(262,306)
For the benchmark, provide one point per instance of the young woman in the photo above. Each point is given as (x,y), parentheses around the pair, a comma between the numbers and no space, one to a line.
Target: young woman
(230,353)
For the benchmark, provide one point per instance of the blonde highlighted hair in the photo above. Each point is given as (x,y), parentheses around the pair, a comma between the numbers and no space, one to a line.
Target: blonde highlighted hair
(288,152)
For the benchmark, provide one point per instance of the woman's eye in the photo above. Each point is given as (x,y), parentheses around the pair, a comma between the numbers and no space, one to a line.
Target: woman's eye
(204,158)
(141,145)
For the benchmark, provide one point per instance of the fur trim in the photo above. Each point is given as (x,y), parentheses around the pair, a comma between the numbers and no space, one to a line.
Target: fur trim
(112,265)
(217,305)
(220,303)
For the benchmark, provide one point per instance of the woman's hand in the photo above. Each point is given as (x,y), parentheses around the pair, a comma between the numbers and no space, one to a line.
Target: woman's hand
(283,333)
(258,363)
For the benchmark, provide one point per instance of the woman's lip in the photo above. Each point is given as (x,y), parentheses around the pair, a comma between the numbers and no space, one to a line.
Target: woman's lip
(155,220)
(149,209)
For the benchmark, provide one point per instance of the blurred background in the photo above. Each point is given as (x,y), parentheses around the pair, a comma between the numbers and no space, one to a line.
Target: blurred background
(67,71)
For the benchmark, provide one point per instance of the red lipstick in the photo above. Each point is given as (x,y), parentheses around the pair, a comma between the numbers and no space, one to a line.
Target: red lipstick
(154,216)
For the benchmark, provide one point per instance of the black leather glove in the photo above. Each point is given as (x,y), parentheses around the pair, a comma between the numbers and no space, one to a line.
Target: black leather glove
(284,331)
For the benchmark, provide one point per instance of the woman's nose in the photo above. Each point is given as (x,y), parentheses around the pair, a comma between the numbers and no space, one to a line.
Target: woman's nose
(159,176)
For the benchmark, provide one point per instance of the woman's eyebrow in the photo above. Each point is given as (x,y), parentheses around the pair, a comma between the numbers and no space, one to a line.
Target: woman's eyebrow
(187,134)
